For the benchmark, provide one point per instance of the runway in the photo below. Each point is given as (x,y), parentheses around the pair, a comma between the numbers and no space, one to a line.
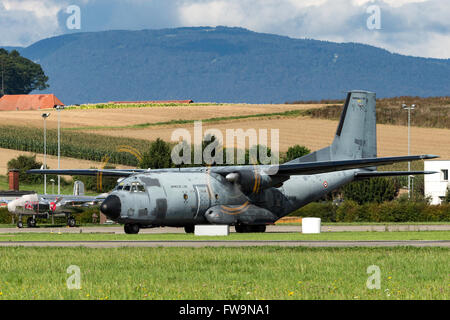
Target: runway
(270,229)
(226,243)
(232,243)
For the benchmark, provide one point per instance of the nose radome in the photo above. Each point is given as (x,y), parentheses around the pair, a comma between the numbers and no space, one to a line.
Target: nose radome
(12,206)
(111,207)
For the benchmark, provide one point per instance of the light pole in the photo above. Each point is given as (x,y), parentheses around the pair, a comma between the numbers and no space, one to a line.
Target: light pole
(45,116)
(59,108)
(409,108)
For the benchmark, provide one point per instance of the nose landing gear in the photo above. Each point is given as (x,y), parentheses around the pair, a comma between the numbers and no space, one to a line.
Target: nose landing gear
(71,222)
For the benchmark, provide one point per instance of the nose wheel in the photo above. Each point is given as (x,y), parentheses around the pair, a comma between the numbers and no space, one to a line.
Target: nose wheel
(71,222)
(31,222)
(131,228)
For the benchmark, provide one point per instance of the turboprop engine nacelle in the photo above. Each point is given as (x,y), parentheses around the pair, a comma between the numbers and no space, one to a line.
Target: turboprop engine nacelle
(247,214)
(253,181)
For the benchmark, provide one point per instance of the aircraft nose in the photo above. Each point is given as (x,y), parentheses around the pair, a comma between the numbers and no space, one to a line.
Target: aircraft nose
(111,207)
(12,206)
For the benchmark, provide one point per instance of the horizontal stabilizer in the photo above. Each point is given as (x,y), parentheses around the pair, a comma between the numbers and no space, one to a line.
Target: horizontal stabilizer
(375,174)
(340,165)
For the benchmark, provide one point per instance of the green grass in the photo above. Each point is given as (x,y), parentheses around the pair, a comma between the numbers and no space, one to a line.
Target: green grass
(326,236)
(39,188)
(386,224)
(224,273)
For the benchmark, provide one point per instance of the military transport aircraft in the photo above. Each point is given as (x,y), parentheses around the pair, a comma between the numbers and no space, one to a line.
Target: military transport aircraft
(249,197)
(45,206)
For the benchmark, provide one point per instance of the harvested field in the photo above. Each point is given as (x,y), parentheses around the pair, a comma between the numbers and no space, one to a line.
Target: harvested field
(135,116)
(314,134)
(52,161)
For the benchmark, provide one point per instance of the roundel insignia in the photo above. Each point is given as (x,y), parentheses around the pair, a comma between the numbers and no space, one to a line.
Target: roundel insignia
(325,184)
(52,206)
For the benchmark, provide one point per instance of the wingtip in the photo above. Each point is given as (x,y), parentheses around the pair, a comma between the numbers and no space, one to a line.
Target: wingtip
(430,156)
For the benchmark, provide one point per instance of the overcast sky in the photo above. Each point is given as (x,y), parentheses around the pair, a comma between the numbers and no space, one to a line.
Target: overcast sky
(412,27)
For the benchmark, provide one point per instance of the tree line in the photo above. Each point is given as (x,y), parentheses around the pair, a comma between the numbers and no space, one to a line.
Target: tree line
(19,75)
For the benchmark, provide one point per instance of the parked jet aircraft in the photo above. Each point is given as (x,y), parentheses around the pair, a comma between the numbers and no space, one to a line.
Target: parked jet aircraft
(46,206)
(249,197)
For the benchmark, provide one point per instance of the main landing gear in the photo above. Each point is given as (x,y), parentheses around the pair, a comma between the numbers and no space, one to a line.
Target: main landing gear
(131,228)
(31,222)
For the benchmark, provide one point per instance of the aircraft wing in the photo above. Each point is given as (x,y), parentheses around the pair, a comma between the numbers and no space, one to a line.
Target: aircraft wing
(89,172)
(304,168)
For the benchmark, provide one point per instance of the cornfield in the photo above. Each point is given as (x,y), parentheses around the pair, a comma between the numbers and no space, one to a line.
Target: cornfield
(78,145)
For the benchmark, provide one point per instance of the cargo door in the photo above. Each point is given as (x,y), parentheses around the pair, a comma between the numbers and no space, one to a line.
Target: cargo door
(203,199)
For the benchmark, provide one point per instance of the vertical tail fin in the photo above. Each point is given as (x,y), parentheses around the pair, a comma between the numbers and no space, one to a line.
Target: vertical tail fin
(356,135)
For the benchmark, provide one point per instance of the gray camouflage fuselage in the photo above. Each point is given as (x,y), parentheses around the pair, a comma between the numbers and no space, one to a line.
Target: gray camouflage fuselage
(183,198)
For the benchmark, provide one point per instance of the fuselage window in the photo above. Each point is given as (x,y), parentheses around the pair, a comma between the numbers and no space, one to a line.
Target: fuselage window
(127,188)
(140,188)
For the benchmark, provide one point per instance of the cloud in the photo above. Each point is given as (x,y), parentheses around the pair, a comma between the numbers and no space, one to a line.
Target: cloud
(412,27)
(26,21)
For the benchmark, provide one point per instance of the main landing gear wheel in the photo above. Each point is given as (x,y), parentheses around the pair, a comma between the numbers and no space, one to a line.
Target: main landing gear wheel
(131,228)
(20,224)
(242,228)
(31,222)
(71,222)
(189,229)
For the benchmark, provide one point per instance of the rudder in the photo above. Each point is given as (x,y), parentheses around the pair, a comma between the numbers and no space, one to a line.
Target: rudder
(356,136)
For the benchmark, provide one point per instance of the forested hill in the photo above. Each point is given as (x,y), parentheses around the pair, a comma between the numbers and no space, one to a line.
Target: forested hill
(226,65)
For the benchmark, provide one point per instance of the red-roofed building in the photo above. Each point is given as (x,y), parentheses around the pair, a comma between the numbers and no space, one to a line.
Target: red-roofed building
(21,102)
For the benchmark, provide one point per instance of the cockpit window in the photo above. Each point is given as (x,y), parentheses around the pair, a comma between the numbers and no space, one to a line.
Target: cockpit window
(137,187)
(119,187)
(127,188)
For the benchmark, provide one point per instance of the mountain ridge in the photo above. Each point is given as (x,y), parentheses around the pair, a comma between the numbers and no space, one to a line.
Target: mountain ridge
(222,64)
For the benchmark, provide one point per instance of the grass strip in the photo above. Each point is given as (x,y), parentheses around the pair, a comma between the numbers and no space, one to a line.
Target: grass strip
(59,234)
(224,273)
